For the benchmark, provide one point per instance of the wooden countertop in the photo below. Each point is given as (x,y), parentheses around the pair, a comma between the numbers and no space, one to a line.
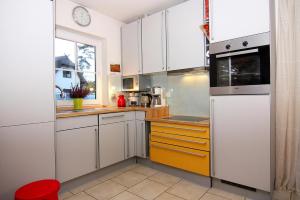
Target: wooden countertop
(164,120)
(151,113)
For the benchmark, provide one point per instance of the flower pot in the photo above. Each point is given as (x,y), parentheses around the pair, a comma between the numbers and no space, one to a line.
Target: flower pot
(77,102)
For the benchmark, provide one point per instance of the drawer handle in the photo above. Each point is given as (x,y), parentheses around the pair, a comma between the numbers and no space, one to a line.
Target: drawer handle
(187,129)
(172,138)
(115,116)
(180,151)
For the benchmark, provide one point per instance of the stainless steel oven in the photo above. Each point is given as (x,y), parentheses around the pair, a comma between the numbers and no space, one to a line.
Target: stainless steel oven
(240,66)
(135,83)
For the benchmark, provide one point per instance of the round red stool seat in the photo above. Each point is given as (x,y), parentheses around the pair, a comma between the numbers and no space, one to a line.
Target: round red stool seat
(39,190)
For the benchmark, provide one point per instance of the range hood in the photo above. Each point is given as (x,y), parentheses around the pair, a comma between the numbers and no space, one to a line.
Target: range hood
(197,70)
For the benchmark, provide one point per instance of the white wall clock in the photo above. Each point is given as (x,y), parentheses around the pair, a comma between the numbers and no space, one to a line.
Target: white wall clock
(81,16)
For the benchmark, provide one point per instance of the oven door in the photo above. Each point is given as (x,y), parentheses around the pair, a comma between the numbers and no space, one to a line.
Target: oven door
(130,83)
(241,72)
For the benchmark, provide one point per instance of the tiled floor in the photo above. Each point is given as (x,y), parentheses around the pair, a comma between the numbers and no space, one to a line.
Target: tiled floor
(137,182)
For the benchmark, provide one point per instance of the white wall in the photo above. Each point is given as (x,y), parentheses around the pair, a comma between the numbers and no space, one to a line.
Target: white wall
(103,27)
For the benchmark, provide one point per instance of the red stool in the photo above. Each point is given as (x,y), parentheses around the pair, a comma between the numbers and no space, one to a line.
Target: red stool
(39,190)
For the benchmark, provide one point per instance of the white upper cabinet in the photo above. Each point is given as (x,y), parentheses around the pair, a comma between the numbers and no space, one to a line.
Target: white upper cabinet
(185,40)
(26,64)
(131,48)
(235,18)
(154,43)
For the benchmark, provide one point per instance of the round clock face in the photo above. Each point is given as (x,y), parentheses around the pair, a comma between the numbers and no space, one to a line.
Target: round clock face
(81,16)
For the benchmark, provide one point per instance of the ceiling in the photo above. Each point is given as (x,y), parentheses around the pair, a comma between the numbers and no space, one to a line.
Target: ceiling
(127,10)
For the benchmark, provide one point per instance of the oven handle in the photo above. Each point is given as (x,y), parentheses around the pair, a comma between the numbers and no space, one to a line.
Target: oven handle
(236,53)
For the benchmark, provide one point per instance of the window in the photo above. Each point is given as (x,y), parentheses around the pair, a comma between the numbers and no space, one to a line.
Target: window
(75,63)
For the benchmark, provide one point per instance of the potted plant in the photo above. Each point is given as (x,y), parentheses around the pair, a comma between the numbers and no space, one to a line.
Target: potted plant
(77,93)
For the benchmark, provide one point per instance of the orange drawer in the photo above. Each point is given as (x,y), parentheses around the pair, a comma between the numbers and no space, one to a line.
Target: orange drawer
(181,140)
(176,129)
(183,158)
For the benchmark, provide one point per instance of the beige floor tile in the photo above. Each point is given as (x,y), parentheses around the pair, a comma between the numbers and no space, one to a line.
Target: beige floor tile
(164,178)
(129,178)
(208,196)
(84,186)
(148,189)
(167,196)
(64,195)
(81,196)
(225,194)
(130,167)
(187,190)
(110,175)
(106,190)
(126,196)
(147,171)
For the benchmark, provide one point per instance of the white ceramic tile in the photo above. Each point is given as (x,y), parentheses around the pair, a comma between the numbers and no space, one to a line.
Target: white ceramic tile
(148,189)
(129,178)
(225,194)
(84,186)
(126,196)
(81,196)
(187,190)
(167,196)
(64,195)
(147,171)
(106,190)
(164,178)
(208,196)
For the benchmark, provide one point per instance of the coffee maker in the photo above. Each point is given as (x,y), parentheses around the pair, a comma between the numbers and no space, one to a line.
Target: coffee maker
(156,93)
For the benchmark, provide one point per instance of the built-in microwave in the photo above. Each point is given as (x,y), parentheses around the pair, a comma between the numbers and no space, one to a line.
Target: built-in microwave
(240,66)
(135,83)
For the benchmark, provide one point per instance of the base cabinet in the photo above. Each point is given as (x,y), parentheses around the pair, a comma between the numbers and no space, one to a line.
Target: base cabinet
(111,143)
(77,152)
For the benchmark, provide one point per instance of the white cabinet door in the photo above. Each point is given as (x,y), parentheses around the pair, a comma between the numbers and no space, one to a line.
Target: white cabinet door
(235,18)
(140,139)
(131,48)
(240,128)
(130,139)
(154,43)
(26,154)
(76,152)
(111,143)
(185,40)
(26,64)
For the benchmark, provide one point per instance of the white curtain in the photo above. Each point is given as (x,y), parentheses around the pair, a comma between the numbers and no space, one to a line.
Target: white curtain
(288,97)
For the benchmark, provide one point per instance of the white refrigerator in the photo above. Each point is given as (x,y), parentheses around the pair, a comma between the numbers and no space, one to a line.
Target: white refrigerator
(240,140)
(27,110)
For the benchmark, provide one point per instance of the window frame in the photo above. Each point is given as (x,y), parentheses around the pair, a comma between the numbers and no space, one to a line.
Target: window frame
(89,40)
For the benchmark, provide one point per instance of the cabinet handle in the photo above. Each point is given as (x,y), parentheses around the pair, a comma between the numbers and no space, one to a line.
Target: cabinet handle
(127,131)
(183,140)
(115,116)
(180,151)
(212,132)
(162,38)
(97,148)
(187,129)
(167,40)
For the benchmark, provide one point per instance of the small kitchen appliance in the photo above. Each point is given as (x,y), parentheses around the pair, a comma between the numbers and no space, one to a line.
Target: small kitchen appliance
(133,99)
(121,101)
(146,100)
(156,96)
(135,83)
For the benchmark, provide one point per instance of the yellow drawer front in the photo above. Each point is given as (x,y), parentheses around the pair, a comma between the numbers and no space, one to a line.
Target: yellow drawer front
(180,140)
(176,129)
(187,159)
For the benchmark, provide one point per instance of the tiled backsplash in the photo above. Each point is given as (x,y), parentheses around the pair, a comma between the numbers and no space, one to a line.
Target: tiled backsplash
(187,94)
